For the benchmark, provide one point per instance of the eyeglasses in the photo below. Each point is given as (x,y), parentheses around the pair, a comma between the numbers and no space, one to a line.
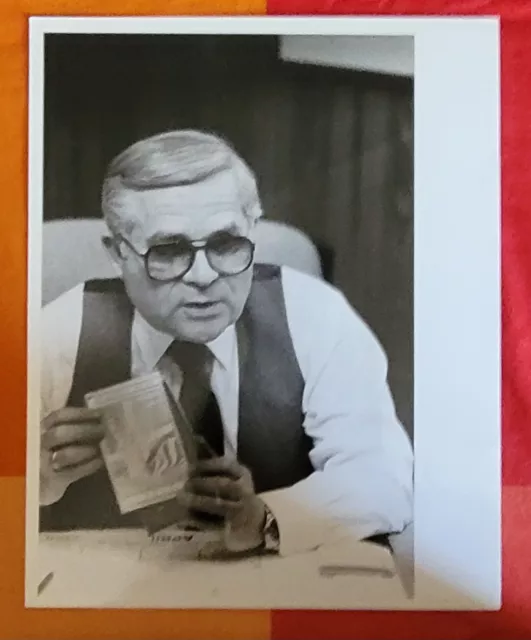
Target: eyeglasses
(227,255)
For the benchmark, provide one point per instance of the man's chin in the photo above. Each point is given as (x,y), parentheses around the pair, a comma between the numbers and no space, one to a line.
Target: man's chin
(201,331)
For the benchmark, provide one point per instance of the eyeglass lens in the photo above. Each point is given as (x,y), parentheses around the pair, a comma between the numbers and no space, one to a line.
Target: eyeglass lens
(227,254)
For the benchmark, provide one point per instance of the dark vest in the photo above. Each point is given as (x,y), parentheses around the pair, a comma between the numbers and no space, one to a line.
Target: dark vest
(271,439)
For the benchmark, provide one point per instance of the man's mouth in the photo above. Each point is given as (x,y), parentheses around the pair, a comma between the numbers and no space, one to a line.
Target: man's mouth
(201,305)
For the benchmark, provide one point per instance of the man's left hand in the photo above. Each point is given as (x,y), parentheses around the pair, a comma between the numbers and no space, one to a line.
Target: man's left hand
(225,488)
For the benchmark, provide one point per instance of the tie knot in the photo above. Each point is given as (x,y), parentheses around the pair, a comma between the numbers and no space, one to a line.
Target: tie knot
(192,357)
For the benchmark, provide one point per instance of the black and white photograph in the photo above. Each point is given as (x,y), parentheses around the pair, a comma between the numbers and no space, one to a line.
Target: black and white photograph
(226,379)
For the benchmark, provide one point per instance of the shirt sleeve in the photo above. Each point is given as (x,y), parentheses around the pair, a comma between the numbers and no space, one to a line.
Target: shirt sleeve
(362,456)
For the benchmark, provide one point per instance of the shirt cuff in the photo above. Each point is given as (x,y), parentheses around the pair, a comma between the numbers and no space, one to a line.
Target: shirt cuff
(301,530)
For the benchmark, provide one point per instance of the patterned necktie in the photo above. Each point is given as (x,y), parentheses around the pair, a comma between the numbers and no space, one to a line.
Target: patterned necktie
(197,400)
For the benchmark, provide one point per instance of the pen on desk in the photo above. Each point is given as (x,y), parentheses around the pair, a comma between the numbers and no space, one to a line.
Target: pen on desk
(331,570)
(44,583)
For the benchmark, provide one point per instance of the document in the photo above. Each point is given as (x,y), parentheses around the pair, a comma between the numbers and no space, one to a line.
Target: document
(146,454)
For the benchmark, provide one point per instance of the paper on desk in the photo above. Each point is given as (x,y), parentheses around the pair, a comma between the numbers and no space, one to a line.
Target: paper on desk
(174,543)
(93,574)
(144,451)
(95,568)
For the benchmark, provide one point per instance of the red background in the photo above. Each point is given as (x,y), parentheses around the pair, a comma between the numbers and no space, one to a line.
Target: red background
(514,619)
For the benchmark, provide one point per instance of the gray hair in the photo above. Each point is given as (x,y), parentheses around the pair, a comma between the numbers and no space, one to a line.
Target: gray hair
(171,159)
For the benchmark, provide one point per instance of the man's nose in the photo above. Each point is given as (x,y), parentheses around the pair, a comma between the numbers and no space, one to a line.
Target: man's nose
(201,274)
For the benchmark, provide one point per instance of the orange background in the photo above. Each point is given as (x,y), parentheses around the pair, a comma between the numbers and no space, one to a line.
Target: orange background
(15,621)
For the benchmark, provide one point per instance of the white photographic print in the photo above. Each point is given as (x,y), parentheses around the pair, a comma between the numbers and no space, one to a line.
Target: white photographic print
(263,313)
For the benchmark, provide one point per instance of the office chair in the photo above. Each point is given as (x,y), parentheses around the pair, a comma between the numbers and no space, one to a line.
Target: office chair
(72,252)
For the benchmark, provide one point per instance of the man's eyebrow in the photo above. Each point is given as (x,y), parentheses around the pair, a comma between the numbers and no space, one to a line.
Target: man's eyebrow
(230,228)
(163,237)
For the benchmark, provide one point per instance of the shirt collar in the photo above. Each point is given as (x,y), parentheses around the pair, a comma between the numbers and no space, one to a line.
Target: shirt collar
(153,343)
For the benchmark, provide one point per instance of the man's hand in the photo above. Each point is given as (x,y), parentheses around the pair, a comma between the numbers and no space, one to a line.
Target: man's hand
(225,488)
(70,441)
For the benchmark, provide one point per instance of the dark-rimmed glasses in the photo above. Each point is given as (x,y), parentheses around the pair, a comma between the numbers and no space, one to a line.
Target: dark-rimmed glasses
(226,253)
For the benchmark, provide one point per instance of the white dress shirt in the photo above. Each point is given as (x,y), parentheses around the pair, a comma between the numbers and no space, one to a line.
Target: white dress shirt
(362,483)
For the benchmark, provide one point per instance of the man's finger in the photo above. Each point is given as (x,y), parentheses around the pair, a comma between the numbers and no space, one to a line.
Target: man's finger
(73,415)
(69,457)
(213,486)
(218,466)
(86,469)
(213,506)
(70,434)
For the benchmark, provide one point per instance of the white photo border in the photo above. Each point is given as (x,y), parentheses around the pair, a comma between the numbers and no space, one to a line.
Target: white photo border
(456,277)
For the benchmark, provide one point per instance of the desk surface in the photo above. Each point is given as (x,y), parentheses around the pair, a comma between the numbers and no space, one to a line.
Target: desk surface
(117,569)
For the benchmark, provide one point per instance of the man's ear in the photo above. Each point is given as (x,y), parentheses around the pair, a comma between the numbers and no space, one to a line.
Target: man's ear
(113,251)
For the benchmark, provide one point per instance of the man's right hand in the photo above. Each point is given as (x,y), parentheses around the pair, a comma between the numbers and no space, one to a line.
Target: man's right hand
(70,450)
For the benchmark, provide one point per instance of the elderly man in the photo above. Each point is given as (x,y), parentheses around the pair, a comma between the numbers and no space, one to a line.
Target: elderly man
(296,382)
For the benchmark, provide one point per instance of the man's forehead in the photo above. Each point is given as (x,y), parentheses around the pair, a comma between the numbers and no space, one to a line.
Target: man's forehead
(163,227)
(211,195)
(195,210)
